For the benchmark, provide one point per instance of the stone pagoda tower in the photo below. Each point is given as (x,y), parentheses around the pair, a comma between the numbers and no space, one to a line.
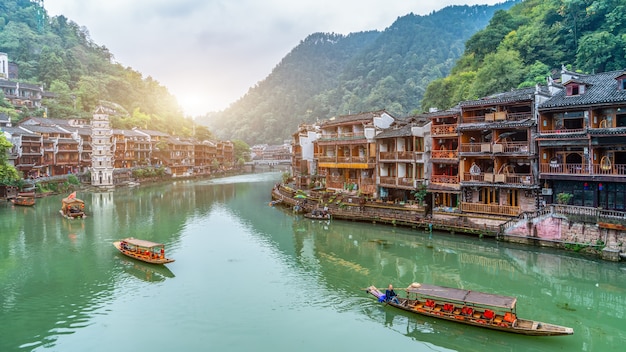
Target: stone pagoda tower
(102,149)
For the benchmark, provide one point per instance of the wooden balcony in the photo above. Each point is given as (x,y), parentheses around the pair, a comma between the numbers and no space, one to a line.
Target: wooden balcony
(443,130)
(410,156)
(342,136)
(444,154)
(518,116)
(583,169)
(511,148)
(356,162)
(470,148)
(403,182)
(445,179)
(564,131)
(491,209)
(473,119)
(510,179)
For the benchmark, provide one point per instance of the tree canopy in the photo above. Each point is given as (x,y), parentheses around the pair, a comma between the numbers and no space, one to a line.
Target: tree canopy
(8,173)
(524,45)
(60,55)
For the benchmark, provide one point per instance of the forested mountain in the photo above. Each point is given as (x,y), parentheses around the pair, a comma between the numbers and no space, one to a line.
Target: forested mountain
(330,74)
(59,54)
(532,40)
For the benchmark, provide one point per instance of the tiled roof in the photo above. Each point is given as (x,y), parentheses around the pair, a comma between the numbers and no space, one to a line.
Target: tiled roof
(496,125)
(353,118)
(502,98)
(44,129)
(176,141)
(16,131)
(128,133)
(601,88)
(83,131)
(403,129)
(395,131)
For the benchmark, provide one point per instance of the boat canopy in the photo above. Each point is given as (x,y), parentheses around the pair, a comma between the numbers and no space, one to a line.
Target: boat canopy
(72,201)
(142,243)
(465,296)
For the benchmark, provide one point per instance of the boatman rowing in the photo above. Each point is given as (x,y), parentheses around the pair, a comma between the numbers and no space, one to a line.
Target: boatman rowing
(390,295)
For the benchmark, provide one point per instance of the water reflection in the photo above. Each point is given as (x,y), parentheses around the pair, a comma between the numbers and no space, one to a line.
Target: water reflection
(144,271)
(554,286)
(62,278)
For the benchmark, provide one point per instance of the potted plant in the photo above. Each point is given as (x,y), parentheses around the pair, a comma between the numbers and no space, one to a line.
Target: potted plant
(564,198)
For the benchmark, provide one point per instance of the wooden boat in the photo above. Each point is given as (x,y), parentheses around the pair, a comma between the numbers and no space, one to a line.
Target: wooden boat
(25,201)
(147,251)
(469,307)
(72,207)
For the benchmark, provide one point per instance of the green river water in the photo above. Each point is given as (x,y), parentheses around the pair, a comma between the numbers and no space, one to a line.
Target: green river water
(250,277)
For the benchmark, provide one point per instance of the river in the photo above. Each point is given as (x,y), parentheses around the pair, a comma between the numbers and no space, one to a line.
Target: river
(250,277)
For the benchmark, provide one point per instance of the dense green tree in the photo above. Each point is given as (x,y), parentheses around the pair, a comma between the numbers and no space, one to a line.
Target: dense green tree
(63,104)
(542,36)
(8,173)
(501,71)
(241,150)
(600,51)
(59,54)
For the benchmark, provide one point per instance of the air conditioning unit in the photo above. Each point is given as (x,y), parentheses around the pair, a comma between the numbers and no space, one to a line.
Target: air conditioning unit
(546,191)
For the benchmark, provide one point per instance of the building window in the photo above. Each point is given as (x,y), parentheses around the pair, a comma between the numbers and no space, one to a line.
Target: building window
(575,89)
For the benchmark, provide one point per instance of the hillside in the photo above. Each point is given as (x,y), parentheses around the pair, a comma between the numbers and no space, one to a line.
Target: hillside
(523,46)
(329,74)
(60,55)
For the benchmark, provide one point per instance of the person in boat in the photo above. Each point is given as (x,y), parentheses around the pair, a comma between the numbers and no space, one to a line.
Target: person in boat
(390,295)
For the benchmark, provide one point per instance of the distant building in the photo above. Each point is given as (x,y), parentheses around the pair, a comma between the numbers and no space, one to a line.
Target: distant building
(102,159)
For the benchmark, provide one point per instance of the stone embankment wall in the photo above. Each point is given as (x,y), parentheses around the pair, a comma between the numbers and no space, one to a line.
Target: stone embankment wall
(573,228)
(575,232)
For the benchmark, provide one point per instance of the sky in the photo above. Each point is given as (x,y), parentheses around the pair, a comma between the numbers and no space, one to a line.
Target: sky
(208,53)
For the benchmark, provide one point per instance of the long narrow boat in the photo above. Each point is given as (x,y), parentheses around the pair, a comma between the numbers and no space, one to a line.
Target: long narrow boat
(25,201)
(469,307)
(147,251)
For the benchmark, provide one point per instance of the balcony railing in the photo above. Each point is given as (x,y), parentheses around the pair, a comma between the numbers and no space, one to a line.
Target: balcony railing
(444,154)
(470,148)
(443,130)
(397,181)
(445,179)
(402,155)
(346,159)
(473,119)
(563,131)
(512,179)
(517,116)
(511,148)
(342,136)
(583,169)
(492,209)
